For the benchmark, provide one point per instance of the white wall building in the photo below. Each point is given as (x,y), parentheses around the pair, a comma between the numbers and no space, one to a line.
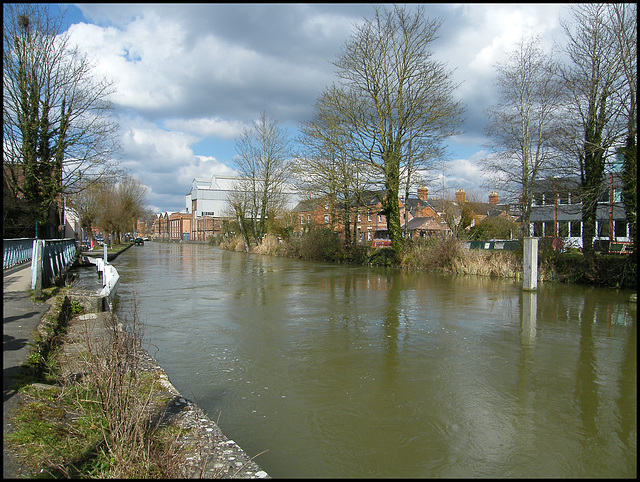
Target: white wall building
(210,197)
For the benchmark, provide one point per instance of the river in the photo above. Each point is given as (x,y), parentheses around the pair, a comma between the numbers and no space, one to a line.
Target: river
(343,371)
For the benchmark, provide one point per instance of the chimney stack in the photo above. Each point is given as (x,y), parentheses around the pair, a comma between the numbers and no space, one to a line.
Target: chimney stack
(460,196)
(422,193)
(493,197)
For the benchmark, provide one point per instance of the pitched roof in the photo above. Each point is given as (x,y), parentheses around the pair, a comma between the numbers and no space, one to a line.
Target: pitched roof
(426,223)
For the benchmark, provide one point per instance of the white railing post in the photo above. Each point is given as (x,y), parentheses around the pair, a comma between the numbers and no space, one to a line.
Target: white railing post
(530,282)
(37,266)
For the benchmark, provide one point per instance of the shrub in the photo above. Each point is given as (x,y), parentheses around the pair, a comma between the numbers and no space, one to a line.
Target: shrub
(433,254)
(269,245)
(382,257)
(322,244)
(494,227)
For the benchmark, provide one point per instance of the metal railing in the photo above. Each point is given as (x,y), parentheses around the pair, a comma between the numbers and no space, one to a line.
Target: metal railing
(58,256)
(16,251)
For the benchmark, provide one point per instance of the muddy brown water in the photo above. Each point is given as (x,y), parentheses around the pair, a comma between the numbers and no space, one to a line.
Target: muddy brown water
(344,371)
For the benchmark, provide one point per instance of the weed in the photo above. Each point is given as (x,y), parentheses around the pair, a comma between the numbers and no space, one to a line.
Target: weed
(76,308)
(102,425)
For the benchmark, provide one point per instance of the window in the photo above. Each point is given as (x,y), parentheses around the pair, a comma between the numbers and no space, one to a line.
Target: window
(538,229)
(575,229)
(309,218)
(326,205)
(369,216)
(620,228)
(617,195)
(326,219)
(602,229)
(302,219)
(563,229)
(359,218)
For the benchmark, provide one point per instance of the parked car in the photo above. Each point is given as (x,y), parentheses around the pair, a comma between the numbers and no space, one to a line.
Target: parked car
(139,241)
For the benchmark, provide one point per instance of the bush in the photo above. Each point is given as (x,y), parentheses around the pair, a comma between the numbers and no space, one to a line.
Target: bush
(322,244)
(433,254)
(269,245)
(382,257)
(494,227)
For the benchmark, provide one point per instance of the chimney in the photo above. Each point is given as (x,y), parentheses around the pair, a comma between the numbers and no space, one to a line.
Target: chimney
(422,193)
(493,197)
(460,196)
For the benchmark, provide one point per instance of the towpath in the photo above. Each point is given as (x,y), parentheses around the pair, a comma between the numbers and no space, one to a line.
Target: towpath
(20,317)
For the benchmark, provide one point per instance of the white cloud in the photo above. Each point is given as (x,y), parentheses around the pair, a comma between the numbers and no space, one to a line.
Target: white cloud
(152,148)
(191,76)
(214,127)
(203,167)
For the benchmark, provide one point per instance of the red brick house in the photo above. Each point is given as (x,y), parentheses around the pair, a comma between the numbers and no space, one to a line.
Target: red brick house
(420,216)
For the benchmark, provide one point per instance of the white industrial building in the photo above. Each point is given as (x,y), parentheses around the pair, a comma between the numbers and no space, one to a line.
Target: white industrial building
(208,203)
(210,197)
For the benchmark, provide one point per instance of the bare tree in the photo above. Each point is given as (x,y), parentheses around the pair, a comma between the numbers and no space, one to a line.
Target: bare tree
(86,204)
(57,129)
(328,169)
(239,201)
(264,153)
(595,124)
(114,208)
(523,125)
(130,204)
(395,100)
(625,27)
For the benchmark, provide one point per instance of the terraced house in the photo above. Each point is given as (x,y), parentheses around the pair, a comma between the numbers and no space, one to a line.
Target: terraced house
(420,216)
(557,212)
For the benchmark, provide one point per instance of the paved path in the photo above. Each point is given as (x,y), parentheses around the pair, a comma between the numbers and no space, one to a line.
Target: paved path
(20,318)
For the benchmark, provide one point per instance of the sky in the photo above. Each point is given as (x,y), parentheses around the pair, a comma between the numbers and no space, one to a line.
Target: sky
(189,77)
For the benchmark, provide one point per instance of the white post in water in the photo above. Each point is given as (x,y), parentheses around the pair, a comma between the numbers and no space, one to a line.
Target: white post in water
(105,254)
(530,282)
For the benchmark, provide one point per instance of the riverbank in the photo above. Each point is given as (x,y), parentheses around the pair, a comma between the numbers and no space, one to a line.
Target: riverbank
(90,402)
(448,255)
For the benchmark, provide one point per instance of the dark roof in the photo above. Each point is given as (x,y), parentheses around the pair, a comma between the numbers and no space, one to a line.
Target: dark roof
(573,212)
(420,222)
(308,205)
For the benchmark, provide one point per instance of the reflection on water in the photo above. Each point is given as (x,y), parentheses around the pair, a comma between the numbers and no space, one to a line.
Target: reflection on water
(342,371)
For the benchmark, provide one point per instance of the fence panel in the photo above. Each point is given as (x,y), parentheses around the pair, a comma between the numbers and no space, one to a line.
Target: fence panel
(58,256)
(16,251)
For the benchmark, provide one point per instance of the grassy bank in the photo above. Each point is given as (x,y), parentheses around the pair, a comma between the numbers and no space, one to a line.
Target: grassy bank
(88,406)
(448,255)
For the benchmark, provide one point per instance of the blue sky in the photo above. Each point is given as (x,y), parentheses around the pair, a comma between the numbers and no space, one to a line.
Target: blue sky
(189,77)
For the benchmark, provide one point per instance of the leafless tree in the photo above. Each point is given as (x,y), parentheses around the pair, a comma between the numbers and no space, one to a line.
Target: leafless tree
(523,124)
(595,118)
(113,207)
(395,101)
(624,18)
(130,204)
(264,153)
(327,168)
(57,129)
